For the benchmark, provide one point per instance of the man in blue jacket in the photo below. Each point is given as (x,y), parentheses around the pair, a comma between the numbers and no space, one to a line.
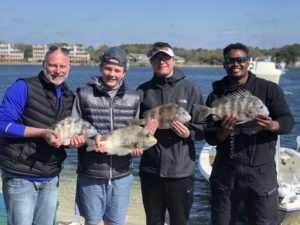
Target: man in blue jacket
(167,169)
(244,167)
(29,163)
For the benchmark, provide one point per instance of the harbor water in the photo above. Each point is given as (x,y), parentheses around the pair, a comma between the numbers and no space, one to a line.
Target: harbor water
(201,76)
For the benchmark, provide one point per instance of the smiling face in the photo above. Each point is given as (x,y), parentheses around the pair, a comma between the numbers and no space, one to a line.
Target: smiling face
(236,65)
(56,67)
(112,75)
(163,64)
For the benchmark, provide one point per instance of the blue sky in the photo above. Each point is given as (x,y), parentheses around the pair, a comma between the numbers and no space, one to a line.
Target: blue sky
(189,24)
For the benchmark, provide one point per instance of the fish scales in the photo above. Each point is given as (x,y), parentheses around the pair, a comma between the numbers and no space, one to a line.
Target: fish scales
(165,114)
(69,126)
(123,140)
(241,103)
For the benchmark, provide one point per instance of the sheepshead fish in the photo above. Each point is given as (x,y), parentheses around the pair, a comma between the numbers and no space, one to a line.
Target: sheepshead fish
(242,103)
(165,114)
(69,126)
(123,140)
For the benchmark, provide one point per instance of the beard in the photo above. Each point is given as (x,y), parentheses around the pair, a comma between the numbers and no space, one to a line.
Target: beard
(56,80)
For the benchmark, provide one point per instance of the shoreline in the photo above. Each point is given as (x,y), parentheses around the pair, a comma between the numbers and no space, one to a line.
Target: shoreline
(96,64)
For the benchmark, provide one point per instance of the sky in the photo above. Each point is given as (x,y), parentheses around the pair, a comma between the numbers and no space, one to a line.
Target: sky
(189,24)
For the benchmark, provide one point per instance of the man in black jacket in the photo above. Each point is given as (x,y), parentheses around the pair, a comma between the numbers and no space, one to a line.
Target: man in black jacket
(30,166)
(167,169)
(244,167)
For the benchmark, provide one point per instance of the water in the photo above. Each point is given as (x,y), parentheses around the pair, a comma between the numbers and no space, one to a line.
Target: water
(203,77)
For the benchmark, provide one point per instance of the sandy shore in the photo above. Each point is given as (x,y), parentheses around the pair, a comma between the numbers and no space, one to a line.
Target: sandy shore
(65,213)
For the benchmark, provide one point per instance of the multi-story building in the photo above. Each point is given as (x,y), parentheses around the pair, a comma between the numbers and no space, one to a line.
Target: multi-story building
(10,54)
(78,53)
(38,52)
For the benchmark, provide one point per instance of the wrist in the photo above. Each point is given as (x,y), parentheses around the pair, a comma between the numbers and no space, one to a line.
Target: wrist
(274,126)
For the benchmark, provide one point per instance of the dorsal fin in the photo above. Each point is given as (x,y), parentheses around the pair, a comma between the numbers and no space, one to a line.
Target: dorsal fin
(239,93)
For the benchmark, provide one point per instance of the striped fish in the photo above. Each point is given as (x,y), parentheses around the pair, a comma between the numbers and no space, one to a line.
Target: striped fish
(69,126)
(123,140)
(242,103)
(165,114)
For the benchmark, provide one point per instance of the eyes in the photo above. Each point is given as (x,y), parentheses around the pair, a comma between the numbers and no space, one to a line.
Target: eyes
(54,66)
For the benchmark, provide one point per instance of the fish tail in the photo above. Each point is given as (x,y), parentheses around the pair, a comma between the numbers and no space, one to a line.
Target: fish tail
(201,112)
(91,144)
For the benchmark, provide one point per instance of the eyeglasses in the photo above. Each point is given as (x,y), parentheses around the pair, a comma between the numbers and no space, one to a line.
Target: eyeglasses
(239,60)
(160,57)
(54,48)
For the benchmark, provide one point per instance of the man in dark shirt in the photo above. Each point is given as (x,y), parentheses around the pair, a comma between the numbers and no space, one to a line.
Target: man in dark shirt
(167,169)
(244,167)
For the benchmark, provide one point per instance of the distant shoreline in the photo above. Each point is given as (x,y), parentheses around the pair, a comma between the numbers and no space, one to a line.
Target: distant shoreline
(96,64)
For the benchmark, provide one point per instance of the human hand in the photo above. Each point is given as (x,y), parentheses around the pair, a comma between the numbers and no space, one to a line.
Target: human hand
(99,146)
(136,152)
(267,123)
(77,141)
(152,125)
(228,123)
(52,137)
(180,129)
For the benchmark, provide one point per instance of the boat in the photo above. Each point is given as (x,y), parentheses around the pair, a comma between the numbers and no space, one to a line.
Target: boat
(267,69)
(288,173)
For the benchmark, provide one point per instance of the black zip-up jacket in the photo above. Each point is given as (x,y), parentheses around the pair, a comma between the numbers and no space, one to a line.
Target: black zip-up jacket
(249,141)
(94,104)
(173,156)
(34,156)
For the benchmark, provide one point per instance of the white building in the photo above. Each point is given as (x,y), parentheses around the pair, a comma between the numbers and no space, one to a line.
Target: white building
(39,52)
(78,53)
(9,53)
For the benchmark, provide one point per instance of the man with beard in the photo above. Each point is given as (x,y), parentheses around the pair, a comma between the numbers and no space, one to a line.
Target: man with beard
(30,164)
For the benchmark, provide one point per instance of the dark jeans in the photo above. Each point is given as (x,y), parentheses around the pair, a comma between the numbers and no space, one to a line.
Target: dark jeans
(172,194)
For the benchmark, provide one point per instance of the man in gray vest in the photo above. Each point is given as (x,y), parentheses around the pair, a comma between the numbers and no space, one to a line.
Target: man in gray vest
(30,164)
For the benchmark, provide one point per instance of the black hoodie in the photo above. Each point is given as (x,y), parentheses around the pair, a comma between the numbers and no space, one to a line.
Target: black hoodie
(173,156)
(254,144)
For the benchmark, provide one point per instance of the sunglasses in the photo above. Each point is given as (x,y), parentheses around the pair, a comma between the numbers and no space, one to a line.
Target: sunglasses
(54,48)
(160,57)
(239,60)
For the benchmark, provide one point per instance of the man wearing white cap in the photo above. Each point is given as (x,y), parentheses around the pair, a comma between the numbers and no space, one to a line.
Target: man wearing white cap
(167,169)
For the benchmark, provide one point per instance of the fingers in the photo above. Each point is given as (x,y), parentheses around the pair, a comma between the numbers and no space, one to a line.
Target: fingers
(228,123)
(267,123)
(152,125)
(53,138)
(77,141)
(100,147)
(136,152)
(180,129)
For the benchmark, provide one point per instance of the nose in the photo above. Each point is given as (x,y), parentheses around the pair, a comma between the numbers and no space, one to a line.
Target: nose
(58,69)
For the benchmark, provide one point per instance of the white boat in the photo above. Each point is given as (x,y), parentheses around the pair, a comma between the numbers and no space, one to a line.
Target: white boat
(288,170)
(268,70)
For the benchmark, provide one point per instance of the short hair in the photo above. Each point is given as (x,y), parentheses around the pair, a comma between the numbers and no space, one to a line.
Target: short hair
(54,48)
(240,46)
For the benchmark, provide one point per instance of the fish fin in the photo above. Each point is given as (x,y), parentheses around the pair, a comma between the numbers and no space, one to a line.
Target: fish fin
(216,117)
(91,145)
(239,93)
(138,122)
(201,112)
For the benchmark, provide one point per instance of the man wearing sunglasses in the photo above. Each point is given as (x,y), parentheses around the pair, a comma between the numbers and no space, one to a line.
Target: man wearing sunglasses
(244,168)
(30,163)
(167,169)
